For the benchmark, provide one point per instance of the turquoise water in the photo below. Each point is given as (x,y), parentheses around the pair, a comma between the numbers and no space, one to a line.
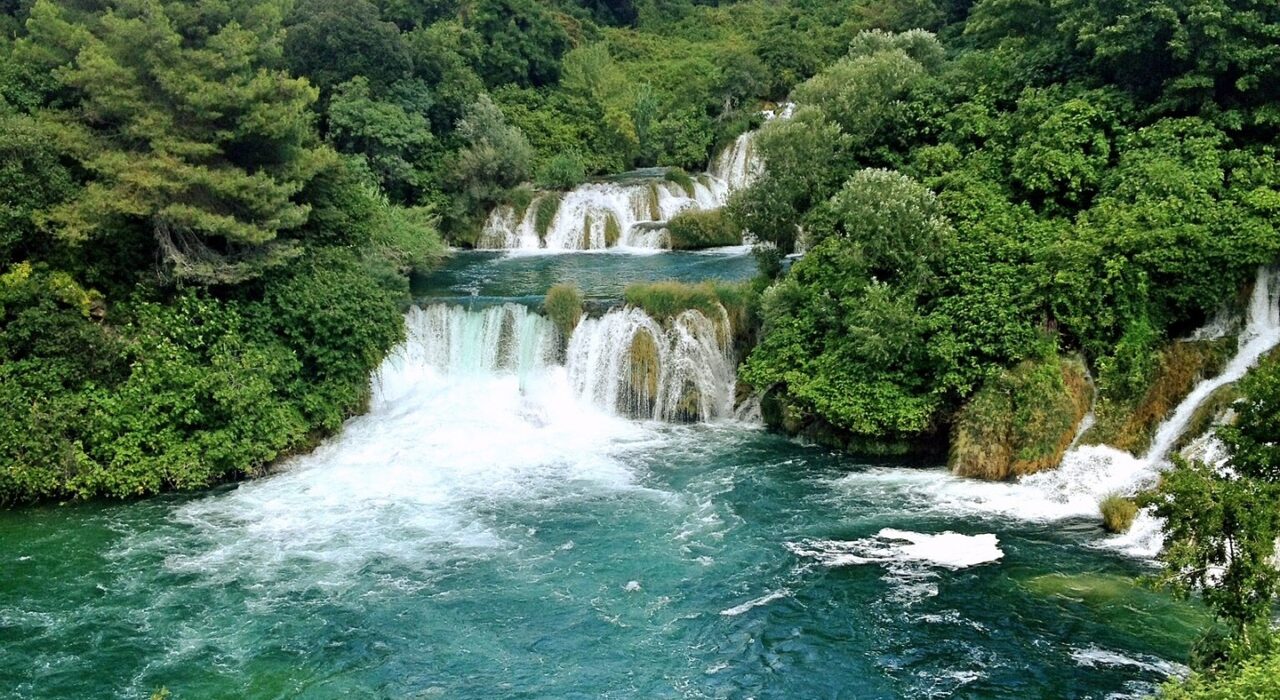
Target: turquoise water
(494,276)
(478,536)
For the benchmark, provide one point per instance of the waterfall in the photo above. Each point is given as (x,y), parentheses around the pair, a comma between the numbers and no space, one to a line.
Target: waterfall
(449,340)
(629,214)
(1261,333)
(1090,473)
(628,363)
(737,166)
(624,363)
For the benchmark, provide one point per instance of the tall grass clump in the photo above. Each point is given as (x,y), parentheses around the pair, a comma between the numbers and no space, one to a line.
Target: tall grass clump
(563,305)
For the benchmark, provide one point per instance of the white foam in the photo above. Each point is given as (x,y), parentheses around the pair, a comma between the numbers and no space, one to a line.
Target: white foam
(948,550)
(1094,657)
(450,438)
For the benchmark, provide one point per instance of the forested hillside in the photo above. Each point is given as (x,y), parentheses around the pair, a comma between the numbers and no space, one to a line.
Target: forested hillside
(208,207)
(981,221)
(1082,177)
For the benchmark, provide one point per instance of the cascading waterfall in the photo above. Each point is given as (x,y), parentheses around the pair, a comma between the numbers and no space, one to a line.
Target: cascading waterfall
(456,341)
(628,215)
(627,362)
(603,215)
(624,363)
(737,166)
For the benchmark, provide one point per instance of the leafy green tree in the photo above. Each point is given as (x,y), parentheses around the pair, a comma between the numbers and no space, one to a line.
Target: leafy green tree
(410,14)
(33,178)
(591,74)
(334,41)
(197,136)
(1216,56)
(394,142)
(872,99)
(439,54)
(805,161)
(1065,148)
(497,155)
(845,332)
(520,42)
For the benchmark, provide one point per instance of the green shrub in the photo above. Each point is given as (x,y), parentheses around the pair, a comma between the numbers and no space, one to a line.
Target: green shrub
(563,305)
(563,171)
(693,230)
(1256,679)
(1118,513)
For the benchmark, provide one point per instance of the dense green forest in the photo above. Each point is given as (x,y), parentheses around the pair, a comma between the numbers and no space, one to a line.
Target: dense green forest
(208,209)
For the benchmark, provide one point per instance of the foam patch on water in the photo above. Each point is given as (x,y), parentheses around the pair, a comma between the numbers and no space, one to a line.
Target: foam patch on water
(949,550)
(1095,657)
(755,603)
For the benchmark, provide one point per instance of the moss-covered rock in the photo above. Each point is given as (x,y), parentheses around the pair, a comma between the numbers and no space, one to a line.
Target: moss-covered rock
(612,231)
(644,368)
(1130,424)
(1021,421)
(689,405)
(545,209)
(655,211)
(681,178)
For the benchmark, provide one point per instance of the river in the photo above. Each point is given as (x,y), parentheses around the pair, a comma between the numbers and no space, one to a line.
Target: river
(485,531)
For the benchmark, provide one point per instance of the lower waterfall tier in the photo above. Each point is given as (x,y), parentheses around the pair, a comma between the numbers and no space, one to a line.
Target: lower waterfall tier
(624,363)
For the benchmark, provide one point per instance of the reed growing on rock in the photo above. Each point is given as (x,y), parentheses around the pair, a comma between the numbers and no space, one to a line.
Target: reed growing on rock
(1118,513)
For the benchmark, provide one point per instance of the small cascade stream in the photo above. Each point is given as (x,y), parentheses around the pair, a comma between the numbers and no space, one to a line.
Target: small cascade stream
(1089,473)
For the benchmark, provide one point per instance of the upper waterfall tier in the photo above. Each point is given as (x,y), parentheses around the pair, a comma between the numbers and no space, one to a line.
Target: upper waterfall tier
(601,215)
(628,213)
(624,364)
